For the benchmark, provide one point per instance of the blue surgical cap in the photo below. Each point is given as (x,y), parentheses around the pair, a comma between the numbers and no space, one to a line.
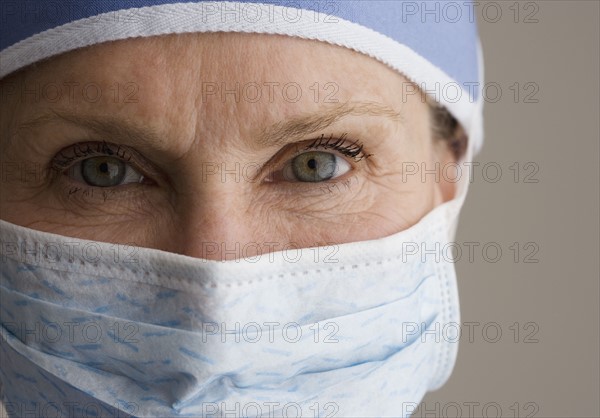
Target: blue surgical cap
(432,43)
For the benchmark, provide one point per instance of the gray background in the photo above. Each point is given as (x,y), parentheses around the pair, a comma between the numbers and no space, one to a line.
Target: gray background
(560,213)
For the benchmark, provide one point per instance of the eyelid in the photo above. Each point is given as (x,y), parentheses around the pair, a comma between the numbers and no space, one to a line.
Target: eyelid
(89,149)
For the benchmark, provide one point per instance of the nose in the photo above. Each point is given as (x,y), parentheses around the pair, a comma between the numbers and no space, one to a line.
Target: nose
(223,218)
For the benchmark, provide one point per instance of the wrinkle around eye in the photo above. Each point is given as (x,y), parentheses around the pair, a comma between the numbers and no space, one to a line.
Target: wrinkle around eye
(325,201)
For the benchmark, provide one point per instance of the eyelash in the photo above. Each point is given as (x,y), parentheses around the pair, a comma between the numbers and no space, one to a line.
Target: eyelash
(80,151)
(354,150)
(85,150)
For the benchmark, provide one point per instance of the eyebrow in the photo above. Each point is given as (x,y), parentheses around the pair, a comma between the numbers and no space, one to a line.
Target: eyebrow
(277,134)
(134,133)
(296,128)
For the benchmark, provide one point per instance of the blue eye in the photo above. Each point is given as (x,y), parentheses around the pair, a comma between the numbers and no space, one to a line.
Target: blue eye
(104,171)
(314,167)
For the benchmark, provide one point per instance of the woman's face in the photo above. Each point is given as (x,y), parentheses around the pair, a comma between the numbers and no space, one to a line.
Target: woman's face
(217,146)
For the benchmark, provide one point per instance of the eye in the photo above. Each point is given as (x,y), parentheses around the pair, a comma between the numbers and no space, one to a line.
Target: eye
(314,167)
(316,164)
(104,171)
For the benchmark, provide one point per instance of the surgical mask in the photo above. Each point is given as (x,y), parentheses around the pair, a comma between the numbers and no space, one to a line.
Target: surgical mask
(97,329)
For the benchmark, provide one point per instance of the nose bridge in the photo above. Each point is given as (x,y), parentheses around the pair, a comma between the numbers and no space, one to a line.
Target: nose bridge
(232,172)
(216,217)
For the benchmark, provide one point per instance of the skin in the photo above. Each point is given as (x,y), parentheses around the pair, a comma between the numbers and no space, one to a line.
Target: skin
(186,135)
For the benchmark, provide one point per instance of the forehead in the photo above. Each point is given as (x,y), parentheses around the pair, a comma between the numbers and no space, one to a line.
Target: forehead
(221,84)
(235,56)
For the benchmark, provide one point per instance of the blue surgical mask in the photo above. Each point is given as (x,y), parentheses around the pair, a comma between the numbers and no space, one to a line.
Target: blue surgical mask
(96,329)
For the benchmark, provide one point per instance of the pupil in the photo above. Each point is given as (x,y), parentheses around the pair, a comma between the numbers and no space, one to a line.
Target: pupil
(312,164)
(104,168)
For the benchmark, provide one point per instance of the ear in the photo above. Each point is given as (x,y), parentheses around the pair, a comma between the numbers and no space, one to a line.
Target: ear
(449,145)
(444,159)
